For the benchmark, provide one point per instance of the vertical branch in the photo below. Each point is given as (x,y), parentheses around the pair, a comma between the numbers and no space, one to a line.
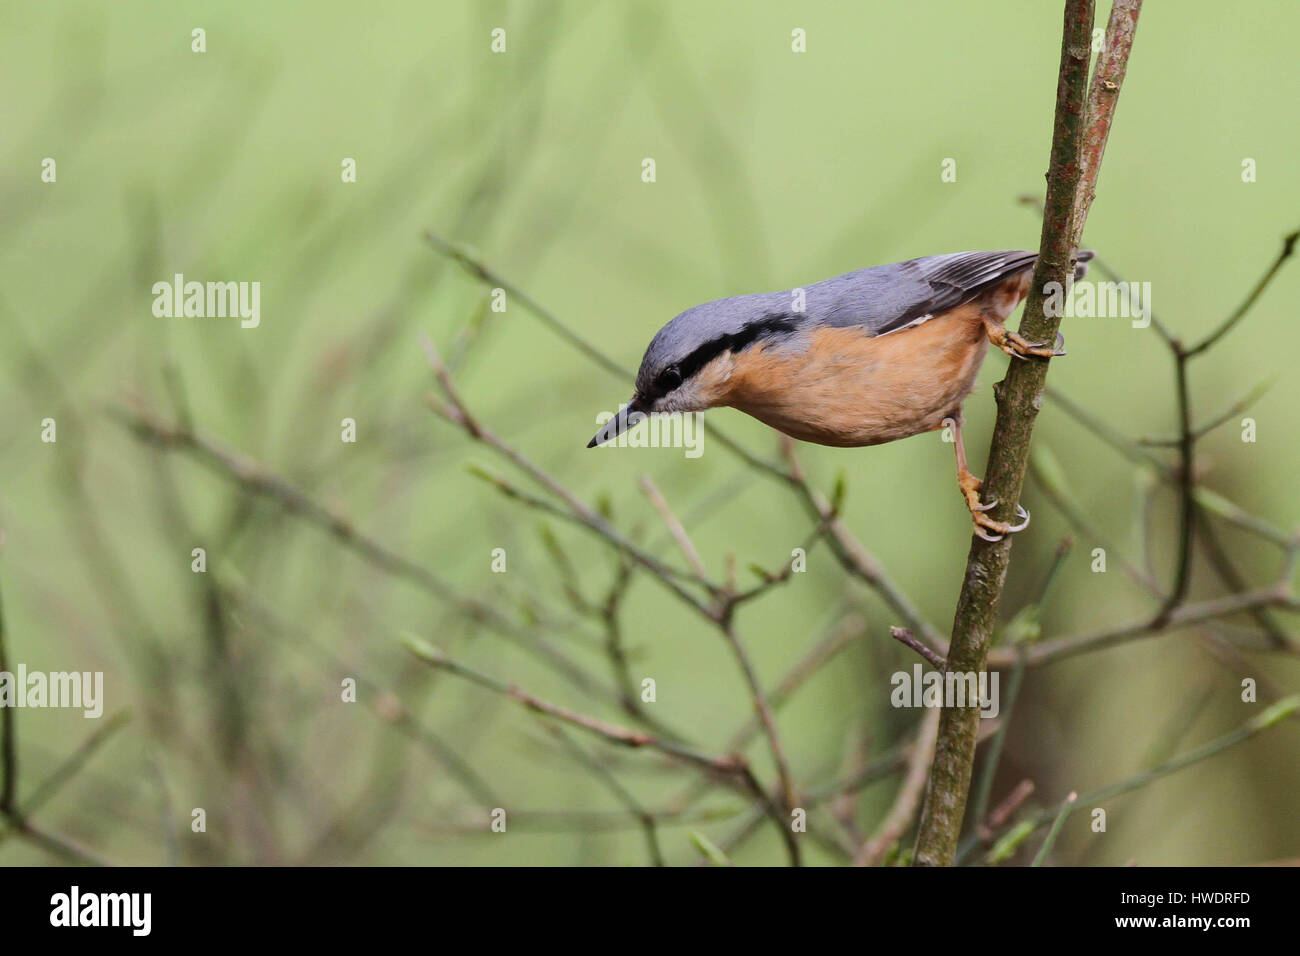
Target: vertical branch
(1186,487)
(1103,94)
(1019,397)
(1188,435)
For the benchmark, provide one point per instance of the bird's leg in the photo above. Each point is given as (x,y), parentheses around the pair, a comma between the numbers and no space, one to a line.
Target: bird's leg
(1015,345)
(970,486)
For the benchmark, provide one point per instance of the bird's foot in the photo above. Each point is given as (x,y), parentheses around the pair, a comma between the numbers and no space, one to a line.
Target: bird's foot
(986,527)
(1015,345)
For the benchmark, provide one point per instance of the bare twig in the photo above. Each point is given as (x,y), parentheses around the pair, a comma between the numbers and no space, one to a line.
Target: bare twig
(674,526)
(1059,648)
(1275,713)
(613,733)
(256,479)
(1288,249)
(733,768)
(904,636)
(1013,801)
(1187,434)
(908,798)
(620,792)
(841,634)
(853,555)
(70,767)
(765,716)
(1066,806)
(720,611)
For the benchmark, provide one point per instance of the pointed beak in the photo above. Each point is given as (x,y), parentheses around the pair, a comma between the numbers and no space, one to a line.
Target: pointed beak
(629,415)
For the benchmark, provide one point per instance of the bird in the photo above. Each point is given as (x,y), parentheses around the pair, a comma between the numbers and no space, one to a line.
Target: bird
(864,358)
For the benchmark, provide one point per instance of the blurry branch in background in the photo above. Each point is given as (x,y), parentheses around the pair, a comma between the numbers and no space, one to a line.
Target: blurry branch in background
(674,526)
(612,733)
(255,479)
(716,604)
(1081,126)
(75,761)
(14,817)
(1188,433)
(726,768)
(908,799)
(621,793)
(380,701)
(1015,835)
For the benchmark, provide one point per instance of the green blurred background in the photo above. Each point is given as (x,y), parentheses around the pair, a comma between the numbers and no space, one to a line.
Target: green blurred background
(774,169)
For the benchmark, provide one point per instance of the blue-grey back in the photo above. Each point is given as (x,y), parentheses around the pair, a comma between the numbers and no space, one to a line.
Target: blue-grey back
(880,299)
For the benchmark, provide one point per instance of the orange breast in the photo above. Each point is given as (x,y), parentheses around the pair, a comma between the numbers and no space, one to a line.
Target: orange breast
(849,389)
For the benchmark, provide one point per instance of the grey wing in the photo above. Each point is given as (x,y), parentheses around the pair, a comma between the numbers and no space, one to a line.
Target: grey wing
(889,298)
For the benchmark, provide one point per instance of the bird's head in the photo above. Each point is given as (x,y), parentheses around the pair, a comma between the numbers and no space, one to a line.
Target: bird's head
(688,364)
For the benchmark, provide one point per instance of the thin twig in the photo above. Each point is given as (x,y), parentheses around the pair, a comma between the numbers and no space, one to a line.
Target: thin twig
(1187,435)
(854,556)
(1060,648)
(904,636)
(613,733)
(254,478)
(1270,717)
(765,715)
(1288,249)
(733,768)
(620,792)
(1066,806)
(908,799)
(70,767)
(841,634)
(674,526)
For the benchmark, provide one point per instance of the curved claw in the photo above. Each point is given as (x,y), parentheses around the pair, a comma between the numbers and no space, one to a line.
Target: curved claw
(1060,344)
(991,530)
(988,507)
(1020,513)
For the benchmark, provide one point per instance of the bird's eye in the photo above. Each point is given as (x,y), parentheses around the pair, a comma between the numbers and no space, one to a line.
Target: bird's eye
(669,378)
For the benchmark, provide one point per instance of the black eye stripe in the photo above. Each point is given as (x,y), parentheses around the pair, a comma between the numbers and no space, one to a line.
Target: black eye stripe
(774,323)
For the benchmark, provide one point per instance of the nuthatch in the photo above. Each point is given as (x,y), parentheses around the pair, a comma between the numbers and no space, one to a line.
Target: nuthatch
(872,356)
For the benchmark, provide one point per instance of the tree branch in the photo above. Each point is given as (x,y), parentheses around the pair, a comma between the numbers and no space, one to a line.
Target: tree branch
(1019,397)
